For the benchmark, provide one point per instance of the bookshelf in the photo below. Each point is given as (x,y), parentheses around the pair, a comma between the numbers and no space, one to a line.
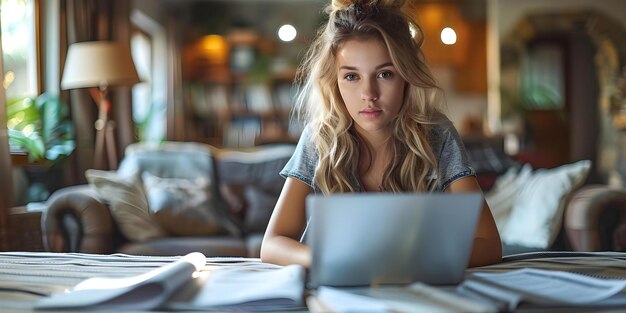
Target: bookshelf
(238,91)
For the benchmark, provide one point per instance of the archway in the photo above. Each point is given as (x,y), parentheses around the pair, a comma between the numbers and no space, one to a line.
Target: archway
(592,112)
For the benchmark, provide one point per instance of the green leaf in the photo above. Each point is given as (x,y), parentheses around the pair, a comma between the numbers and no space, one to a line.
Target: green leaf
(40,126)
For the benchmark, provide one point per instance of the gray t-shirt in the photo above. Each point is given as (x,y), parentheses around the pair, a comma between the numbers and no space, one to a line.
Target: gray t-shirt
(445,140)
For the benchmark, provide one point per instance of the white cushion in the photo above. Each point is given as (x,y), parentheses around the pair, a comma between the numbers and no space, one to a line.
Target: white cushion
(537,212)
(501,197)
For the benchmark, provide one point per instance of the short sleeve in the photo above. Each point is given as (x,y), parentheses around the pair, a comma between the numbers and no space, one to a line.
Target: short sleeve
(302,164)
(453,160)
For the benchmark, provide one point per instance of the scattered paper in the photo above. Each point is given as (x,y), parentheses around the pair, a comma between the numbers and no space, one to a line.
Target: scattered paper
(181,285)
(546,287)
(142,292)
(346,302)
(236,286)
(414,298)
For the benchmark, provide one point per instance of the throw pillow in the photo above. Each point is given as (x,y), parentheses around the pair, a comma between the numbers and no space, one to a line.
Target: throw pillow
(537,213)
(127,203)
(182,206)
(502,195)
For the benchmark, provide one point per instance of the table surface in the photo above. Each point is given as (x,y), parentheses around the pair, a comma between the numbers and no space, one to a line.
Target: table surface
(27,276)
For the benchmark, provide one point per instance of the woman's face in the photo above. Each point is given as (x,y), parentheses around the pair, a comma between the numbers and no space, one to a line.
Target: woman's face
(369,84)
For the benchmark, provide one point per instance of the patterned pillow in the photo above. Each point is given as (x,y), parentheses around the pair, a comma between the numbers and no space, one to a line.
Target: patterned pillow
(184,207)
(127,203)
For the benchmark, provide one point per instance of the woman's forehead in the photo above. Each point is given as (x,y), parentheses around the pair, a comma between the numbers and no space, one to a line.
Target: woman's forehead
(362,53)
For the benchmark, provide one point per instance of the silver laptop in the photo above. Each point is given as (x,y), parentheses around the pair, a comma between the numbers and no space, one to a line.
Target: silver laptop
(362,239)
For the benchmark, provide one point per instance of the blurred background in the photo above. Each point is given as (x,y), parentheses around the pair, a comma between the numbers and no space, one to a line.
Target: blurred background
(539,82)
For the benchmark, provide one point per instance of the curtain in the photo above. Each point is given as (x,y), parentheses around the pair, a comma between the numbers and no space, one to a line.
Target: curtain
(91,20)
(175,129)
(6,180)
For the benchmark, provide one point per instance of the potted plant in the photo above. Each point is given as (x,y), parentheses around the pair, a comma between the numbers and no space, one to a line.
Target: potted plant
(40,127)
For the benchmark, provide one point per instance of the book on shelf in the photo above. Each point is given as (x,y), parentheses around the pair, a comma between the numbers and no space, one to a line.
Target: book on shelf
(208,99)
(258,98)
(188,284)
(242,131)
(284,97)
(217,96)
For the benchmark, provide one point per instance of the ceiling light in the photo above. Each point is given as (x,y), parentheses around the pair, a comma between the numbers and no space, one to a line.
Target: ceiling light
(287,32)
(448,36)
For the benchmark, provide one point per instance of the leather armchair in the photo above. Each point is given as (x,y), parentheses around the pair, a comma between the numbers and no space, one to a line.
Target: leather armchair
(595,219)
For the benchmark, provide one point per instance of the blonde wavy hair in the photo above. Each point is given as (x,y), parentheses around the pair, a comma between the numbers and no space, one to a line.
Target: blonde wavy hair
(320,104)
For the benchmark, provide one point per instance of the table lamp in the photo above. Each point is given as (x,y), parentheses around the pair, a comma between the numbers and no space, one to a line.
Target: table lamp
(98,65)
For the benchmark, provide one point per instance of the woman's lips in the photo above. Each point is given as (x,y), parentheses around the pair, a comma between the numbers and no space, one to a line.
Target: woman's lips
(370,113)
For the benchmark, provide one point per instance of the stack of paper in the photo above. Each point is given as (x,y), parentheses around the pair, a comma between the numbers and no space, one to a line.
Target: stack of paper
(143,292)
(547,288)
(417,297)
(182,285)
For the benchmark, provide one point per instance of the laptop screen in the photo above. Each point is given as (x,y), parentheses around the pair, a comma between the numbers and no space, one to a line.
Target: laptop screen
(383,238)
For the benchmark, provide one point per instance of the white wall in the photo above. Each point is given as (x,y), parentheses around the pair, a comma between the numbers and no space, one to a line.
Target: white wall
(459,105)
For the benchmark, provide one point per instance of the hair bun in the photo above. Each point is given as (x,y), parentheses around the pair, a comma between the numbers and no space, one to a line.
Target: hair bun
(344,4)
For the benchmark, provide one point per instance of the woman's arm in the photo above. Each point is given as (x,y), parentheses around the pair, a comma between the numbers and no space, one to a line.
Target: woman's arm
(487,247)
(281,243)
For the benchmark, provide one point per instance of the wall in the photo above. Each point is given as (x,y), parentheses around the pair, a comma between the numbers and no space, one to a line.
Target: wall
(512,11)
(461,106)
(460,69)
(263,17)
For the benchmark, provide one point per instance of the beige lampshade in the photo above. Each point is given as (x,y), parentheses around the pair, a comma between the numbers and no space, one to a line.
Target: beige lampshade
(98,64)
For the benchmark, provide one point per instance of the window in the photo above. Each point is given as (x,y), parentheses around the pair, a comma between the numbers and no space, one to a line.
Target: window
(148,47)
(19,48)
(20,80)
(141,46)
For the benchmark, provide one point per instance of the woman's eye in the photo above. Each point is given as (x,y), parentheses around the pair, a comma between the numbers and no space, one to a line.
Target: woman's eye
(385,75)
(349,77)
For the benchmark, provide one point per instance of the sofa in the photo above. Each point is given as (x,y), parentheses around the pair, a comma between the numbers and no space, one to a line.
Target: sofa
(245,189)
(585,217)
(242,190)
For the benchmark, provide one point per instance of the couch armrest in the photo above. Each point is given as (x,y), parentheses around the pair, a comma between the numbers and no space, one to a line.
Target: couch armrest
(593,218)
(77,221)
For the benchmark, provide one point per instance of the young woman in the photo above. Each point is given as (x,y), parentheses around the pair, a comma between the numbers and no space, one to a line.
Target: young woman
(374,124)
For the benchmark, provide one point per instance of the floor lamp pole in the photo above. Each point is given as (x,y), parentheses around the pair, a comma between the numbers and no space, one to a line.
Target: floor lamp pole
(105,138)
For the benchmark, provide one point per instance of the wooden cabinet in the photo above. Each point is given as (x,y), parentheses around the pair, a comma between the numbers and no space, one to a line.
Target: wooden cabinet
(25,226)
(238,91)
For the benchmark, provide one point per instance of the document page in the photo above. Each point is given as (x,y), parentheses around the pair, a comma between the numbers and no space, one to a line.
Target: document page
(557,286)
(142,292)
(417,297)
(246,289)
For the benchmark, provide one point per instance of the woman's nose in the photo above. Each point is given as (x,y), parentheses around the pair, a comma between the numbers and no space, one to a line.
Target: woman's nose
(369,92)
